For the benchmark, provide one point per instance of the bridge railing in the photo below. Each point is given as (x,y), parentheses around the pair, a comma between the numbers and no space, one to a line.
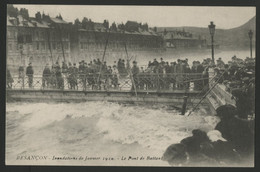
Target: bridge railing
(95,82)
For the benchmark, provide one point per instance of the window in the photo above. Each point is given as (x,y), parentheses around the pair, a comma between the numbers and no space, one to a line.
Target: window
(65,45)
(40,35)
(58,45)
(31,59)
(37,46)
(28,38)
(15,34)
(66,35)
(31,47)
(81,45)
(53,35)
(43,45)
(44,59)
(20,39)
(54,45)
(9,34)
(9,46)
(12,34)
(36,35)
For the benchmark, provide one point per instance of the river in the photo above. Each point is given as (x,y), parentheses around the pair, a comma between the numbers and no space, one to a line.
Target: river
(191,55)
(97,129)
(117,134)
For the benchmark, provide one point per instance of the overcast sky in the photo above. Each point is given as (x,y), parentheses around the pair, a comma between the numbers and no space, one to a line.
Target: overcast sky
(160,16)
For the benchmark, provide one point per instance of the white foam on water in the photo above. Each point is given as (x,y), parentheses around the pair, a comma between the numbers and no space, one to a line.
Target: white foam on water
(92,127)
(43,114)
(154,129)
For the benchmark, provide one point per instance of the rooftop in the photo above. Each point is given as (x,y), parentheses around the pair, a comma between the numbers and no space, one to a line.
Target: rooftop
(58,20)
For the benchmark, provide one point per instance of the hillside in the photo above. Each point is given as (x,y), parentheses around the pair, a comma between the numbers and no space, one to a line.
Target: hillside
(229,38)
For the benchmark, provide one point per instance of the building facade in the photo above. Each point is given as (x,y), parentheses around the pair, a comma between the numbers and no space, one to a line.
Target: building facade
(90,41)
(36,40)
(181,39)
(42,39)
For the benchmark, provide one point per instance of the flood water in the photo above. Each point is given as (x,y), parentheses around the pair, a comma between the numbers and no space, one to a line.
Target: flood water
(97,129)
(191,55)
(102,133)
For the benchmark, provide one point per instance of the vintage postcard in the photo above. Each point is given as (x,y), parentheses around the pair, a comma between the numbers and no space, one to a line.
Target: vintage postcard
(97,85)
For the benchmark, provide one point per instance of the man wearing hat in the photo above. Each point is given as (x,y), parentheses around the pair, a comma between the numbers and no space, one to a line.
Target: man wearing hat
(29,73)
(46,76)
(9,78)
(135,72)
(64,67)
(81,66)
(75,76)
(115,75)
(162,62)
(220,63)
(70,75)
(155,63)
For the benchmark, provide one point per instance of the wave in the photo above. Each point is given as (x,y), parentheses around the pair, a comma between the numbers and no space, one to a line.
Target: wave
(74,128)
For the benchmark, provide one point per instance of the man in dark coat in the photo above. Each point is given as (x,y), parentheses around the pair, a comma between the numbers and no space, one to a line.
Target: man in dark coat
(70,76)
(237,131)
(29,73)
(21,72)
(75,76)
(64,67)
(9,78)
(135,72)
(46,76)
(59,78)
(199,71)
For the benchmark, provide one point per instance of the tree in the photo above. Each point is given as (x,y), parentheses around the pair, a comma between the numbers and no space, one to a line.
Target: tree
(121,26)
(38,16)
(106,24)
(76,22)
(145,26)
(113,26)
(11,11)
(165,32)
(85,22)
(24,12)
(59,17)
(155,29)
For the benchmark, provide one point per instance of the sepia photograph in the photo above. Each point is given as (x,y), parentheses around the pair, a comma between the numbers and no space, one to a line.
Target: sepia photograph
(130,85)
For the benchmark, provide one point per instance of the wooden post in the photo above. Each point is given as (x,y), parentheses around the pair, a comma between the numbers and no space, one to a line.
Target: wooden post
(130,71)
(49,44)
(183,110)
(103,57)
(60,30)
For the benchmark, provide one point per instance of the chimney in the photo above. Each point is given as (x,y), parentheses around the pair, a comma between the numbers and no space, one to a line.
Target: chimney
(16,22)
(25,23)
(165,32)
(34,24)
(38,16)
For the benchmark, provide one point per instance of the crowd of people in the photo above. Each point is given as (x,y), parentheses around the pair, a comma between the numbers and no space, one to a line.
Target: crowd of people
(94,74)
(239,79)
(98,75)
(231,143)
(238,75)
(160,75)
(157,75)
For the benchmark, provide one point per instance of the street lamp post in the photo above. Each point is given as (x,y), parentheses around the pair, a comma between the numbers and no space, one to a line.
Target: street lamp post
(212,32)
(250,34)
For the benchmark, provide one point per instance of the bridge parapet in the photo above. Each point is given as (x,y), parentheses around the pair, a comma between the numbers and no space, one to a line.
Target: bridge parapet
(106,82)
